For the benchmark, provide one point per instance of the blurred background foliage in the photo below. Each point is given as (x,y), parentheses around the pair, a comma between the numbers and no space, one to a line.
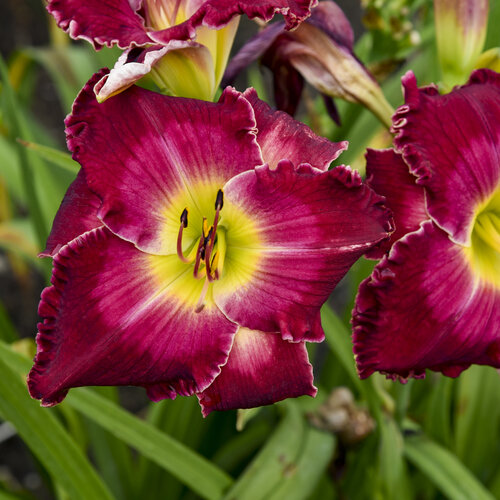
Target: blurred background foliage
(374,439)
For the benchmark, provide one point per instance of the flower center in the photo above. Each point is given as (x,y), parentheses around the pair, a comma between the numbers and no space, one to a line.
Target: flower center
(485,250)
(207,252)
(162,14)
(207,256)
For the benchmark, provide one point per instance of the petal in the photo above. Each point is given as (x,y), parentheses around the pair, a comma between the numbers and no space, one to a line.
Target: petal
(261,369)
(183,69)
(452,144)
(312,226)
(117,316)
(76,215)
(287,87)
(282,137)
(131,66)
(110,22)
(216,14)
(387,174)
(288,83)
(333,69)
(145,154)
(331,20)
(406,320)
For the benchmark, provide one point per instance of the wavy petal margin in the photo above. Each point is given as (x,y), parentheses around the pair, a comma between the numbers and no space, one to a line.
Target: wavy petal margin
(100,22)
(108,319)
(215,14)
(141,149)
(261,369)
(281,137)
(117,22)
(313,226)
(387,174)
(406,320)
(76,215)
(451,143)
(131,66)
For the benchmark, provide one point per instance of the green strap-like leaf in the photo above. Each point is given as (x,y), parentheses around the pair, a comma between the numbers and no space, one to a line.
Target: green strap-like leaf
(312,462)
(192,469)
(54,156)
(438,421)
(16,123)
(48,440)
(339,341)
(447,473)
(391,474)
(276,459)
(338,338)
(476,421)
(290,464)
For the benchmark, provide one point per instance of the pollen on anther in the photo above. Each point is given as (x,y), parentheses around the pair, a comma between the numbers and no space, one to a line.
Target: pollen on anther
(184,217)
(219,200)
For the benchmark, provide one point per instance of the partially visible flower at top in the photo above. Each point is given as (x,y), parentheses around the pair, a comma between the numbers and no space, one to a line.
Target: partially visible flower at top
(434,301)
(320,51)
(183,44)
(461,27)
(195,248)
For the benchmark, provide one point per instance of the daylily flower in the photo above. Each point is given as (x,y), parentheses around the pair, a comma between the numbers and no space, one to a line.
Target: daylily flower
(195,248)
(183,44)
(434,301)
(319,51)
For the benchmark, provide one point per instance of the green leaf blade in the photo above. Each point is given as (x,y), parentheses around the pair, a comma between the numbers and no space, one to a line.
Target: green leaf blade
(447,473)
(48,440)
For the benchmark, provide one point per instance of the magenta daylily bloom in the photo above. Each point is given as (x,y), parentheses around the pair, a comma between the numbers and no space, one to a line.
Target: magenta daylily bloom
(434,301)
(183,44)
(319,51)
(195,248)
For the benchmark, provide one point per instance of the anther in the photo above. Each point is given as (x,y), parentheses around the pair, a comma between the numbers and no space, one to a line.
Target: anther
(184,217)
(184,223)
(219,203)
(219,200)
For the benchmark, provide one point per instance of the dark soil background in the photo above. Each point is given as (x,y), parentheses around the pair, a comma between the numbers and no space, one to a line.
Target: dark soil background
(23,23)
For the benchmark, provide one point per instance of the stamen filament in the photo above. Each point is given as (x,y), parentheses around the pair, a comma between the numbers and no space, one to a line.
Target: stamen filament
(219,203)
(207,261)
(175,12)
(200,251)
